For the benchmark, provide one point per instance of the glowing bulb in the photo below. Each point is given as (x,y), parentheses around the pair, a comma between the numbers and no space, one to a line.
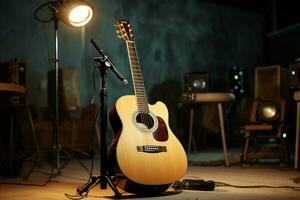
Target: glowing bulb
(284,135)
(236,77)
(80,15)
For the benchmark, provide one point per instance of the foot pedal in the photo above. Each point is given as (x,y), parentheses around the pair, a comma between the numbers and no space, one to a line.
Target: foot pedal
(195,184)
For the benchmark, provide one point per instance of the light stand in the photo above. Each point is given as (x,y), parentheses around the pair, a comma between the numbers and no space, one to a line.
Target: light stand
(58,147)
(56,122)
(103,63)
(75,13)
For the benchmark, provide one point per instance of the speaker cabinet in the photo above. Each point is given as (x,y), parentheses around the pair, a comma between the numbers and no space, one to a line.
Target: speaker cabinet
(238,82)
(271,82)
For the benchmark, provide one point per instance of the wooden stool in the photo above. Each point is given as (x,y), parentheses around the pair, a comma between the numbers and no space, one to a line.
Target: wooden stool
(210,97)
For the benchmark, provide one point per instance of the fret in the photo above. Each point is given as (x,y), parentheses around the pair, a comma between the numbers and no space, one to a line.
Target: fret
(135,67)
(138,82)
(133,56)
(134,63)
(136,73)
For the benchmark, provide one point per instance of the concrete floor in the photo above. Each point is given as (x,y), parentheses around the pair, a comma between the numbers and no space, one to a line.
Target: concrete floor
(74,175)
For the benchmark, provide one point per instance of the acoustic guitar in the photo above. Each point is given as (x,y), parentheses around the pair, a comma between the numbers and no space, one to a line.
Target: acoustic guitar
(147,153)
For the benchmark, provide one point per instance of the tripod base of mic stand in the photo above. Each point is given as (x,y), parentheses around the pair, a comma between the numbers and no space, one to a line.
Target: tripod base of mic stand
(95,180)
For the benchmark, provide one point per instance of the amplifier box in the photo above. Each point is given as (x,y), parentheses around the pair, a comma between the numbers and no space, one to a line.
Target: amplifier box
(13,71)
(196,82)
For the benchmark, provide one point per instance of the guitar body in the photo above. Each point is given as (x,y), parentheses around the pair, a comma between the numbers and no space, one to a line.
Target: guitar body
(145,150)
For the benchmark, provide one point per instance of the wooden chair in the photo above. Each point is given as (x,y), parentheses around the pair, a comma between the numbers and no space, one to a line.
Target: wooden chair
(265,131)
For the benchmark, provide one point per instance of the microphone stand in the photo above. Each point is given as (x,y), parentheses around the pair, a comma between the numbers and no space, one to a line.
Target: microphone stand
(103,63)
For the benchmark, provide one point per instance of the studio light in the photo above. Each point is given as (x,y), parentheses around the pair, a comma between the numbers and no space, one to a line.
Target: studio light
(73,12)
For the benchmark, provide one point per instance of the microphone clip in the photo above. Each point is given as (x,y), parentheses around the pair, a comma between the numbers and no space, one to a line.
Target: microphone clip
(103,60)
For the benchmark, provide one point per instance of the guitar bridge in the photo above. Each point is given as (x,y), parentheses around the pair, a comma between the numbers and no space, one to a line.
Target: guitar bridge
(151,149)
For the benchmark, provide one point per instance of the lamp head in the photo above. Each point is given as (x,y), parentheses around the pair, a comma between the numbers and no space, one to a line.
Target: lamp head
(73,12)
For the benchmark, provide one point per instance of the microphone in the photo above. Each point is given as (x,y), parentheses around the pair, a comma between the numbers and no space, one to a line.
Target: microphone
(108,63)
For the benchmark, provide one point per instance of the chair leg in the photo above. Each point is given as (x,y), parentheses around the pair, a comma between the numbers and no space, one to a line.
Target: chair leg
(284,151)
(245,153)
(191,130)
(36,142)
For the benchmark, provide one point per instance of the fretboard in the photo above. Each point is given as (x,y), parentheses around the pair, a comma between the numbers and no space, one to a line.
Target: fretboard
(138,82)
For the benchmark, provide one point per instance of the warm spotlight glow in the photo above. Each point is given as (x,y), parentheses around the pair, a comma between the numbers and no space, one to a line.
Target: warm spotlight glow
(269,112)
(80,15)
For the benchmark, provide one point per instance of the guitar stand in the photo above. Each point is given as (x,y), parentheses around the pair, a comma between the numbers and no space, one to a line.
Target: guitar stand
(103,63)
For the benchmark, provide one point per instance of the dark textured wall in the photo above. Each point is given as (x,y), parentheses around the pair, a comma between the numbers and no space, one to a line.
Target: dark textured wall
(172,38)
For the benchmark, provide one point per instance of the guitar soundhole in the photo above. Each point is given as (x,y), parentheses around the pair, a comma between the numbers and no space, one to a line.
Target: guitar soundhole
(145,119)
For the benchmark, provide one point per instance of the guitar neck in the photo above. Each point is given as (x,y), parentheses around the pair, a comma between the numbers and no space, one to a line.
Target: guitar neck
(138,82)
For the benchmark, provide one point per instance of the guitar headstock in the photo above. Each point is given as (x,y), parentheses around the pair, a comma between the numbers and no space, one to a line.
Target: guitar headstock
(124,31)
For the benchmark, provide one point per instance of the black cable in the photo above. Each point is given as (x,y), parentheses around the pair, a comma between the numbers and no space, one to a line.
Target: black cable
(94,126)
(36,16)
(222,184)
(51,18)
(76,197)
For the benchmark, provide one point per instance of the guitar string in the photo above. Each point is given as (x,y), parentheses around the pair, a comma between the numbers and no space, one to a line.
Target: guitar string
(145,114)
(129,47)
